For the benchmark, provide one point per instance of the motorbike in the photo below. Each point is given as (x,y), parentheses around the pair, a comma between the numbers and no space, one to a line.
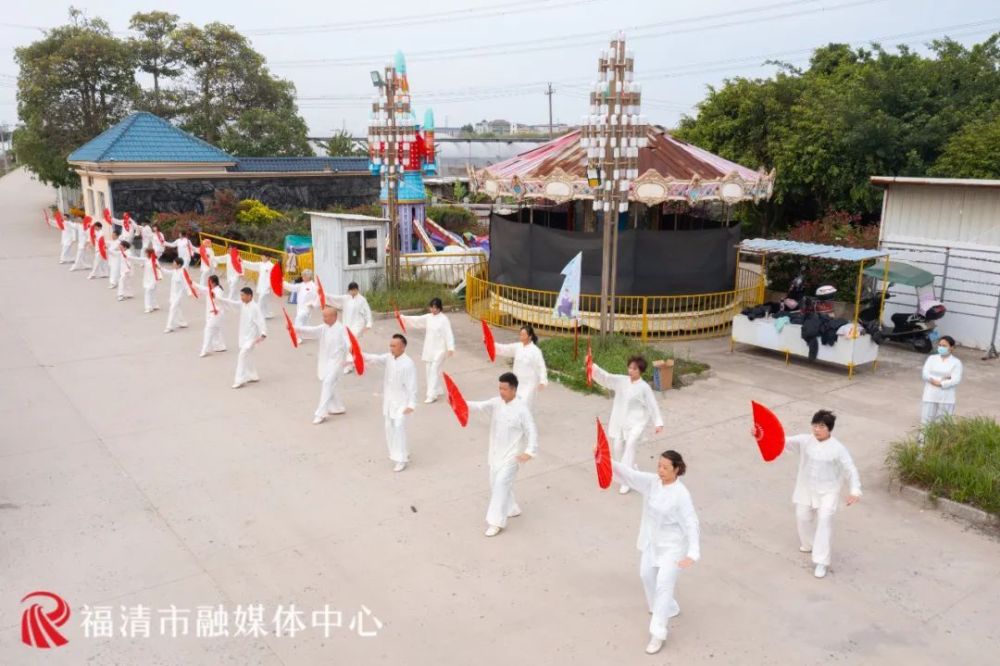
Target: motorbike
(915,328)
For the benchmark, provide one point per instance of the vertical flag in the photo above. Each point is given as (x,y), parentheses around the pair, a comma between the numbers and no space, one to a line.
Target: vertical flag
(568,303)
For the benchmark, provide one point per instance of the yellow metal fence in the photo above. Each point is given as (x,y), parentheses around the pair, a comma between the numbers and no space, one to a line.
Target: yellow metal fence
(647,317)
(291,264)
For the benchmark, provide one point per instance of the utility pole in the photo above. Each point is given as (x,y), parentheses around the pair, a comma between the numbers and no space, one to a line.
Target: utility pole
(549,93)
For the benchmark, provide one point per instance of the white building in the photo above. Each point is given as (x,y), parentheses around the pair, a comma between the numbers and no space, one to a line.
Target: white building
(348,248)
(950,227)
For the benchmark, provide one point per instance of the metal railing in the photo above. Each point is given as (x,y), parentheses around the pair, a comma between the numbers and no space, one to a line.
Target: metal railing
(688,316)
(292,264)
(445,268)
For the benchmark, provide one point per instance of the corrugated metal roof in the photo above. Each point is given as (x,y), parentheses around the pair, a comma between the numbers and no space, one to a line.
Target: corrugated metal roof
(143,137)
(294,164)
(836,252)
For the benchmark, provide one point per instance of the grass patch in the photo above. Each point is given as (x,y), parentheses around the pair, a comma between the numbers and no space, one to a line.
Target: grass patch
(960,460)
(411,295)
(611,354)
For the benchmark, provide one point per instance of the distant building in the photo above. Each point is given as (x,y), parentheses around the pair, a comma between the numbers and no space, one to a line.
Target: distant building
(493,127)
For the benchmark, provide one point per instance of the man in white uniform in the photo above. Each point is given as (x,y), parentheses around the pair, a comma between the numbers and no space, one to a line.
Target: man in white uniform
(306,297)
(232,275)
(263,269)
(206,267)
(184,247)
(151,274)
(513,440)
(125,269)
(82,230)
(439,343)
(178,290)
(114,260)
(95,237)
(334,351)
(357,315)
(253,331)
(67,236)
(399,397)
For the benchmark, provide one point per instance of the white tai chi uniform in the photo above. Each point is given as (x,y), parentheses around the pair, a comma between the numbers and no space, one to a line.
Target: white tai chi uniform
(940,400)
(100,268)
(634,407)
(67,236)
(124,272)
(206,268)
(252,328)
(529,367)
(81,246)
(185,249)
(334,349)
(263,291)
(356,315)
(114,262)
(399,393)
(150,276)
(213,340)
(438,341)
(512,432)
(178,290)
(667,534)
(232,277)
(823,468)
(306,299)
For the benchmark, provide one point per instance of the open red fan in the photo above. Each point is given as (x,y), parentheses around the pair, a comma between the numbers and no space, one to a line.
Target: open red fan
(187,278)
(93,235)
(491,345)
(107,216)
(768,431)
(602,457)
(321,292)
(291,328)
(59,220)
(590,365)
(399,318)
(359,360)
(235,260)
(126,222)
(277,279)
(457,402)
(203,253)
(102,247)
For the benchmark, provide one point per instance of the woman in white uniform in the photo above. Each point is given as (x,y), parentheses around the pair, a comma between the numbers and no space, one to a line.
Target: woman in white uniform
(213,340)
(529,364)
(633,409)
(668,537)
(439,343)
(942,373)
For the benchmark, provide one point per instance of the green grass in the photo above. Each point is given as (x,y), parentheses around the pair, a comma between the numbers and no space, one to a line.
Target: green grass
(411,295)
(960,460)
(611,354)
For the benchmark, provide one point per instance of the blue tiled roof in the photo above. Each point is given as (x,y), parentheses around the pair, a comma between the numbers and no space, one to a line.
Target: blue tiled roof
(295,164)
(143,137)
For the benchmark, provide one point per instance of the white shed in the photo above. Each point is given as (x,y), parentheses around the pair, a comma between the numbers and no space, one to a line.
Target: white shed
(348,248)
(950,227)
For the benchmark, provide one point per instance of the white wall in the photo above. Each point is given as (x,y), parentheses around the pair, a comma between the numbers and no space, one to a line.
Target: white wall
(329,236)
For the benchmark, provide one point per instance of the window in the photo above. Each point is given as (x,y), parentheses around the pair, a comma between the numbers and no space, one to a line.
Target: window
(371,246)
(362,247)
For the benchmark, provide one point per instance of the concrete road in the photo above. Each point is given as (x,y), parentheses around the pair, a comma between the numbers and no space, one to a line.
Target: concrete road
(132,476)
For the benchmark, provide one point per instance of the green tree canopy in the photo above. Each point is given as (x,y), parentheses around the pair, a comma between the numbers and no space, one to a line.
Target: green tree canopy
(341,145)
(262,132)
(157,53)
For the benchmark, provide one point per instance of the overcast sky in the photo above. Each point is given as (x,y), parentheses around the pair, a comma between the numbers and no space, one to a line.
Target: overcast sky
(486,59)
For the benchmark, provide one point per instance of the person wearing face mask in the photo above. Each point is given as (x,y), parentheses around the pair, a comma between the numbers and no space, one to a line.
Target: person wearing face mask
(668,537)
(942,373)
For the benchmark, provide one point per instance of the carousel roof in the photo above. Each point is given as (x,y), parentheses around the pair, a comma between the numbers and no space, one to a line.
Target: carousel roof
(669,170)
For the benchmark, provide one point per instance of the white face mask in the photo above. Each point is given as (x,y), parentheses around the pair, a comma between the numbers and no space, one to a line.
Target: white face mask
(943,351)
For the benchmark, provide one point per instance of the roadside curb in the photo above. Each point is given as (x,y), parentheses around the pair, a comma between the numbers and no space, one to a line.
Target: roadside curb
(923,498)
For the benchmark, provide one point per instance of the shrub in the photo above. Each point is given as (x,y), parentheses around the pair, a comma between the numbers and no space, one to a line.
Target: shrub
(77,212)
(454,218)
(252,211)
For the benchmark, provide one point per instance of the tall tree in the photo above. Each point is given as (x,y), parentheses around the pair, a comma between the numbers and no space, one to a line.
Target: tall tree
(341,145)
(262,132)
(72,85)
(156,53)
(973,151)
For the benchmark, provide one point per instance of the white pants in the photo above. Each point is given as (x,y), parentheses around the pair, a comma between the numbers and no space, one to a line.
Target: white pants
(81,258)
(100,268)
(502,502)
(658,583)
(395,439)
(435,377)
(246,369)
(66,252)
(175,317)
(329,397)
(815,527)
(213,340)
(123,290)
(623,447)
(233,289)
(932,411)
(302,316)
(264,300)
(149,298)
(203,278)
(114,272)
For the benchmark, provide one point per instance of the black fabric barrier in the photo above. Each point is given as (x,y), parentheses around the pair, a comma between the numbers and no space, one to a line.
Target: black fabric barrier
(650,263)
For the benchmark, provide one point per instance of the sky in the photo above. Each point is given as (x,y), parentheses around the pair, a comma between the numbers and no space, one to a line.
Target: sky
(483,59)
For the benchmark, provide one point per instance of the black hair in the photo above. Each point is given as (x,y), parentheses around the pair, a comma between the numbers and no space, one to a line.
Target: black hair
(213,280)
(353,285)
(182,234)
(399,336)
(126,245)
(510,379)
(639,361)
(178,261)
(98,224)
(115,232)
(676,460)
(530,330)
(436,303)
(247,290)
(947,338)
(826,417)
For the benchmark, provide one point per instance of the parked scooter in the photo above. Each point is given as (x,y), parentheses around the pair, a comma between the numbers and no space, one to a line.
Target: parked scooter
(915,328)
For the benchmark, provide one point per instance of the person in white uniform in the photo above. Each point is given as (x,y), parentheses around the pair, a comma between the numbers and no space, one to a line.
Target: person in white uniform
(513,441)
(439,344)
(179,290)
(399,397)
(82,230)
(633,409)
(232,276)
(67,236)
(334,352)
(356,313)
(306,297)
(824,466)
(668,537)
(529,364)
(263,268)
(114,260)
(213,340)
(206,268)
(100,266)
(125,270)
(184,246)
(942,373)
(151,274)
(253,331)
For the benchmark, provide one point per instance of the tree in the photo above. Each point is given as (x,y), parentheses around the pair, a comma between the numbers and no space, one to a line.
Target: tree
(341,145)
(468,129)
(73,84)
(973,151)
(156,52)
(261,132)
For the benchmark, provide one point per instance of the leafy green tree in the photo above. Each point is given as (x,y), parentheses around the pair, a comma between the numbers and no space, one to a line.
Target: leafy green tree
(341,145)
(157,54)
(261,132)
(973,151)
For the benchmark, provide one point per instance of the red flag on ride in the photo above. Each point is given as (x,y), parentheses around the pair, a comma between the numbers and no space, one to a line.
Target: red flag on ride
(235,260)
(399,318)
(457,402)
(59,220)
(602,457)
(322,294)
(291,328)
(102,247)
(277,279)
(491,345)
(768,431)
(590,364)
(359,360)
(187,278)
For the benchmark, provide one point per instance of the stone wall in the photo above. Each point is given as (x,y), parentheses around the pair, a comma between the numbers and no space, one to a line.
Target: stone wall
(142,198)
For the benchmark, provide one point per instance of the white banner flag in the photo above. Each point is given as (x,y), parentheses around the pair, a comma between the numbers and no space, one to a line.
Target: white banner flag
(568,303)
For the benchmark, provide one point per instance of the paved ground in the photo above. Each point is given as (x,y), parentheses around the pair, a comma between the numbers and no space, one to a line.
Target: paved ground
(130,473)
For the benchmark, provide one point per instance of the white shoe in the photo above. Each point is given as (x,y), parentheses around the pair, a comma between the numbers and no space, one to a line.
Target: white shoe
(492,530)
(654,646)
(90,277)
(514,514)
(146,311)
(337,413)
(400,466)
(183,325)
(168,330)
(624,490)
(805,549)
(121,298)
(820,571)
(238,385)
(318,420)
(348,370)
(676,612)
(203,355)
(428,401)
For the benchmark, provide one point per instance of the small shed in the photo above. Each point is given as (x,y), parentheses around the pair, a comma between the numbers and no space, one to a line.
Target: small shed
(348,248)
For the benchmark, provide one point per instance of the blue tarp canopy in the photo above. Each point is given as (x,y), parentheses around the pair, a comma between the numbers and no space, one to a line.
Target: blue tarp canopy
(834,252)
